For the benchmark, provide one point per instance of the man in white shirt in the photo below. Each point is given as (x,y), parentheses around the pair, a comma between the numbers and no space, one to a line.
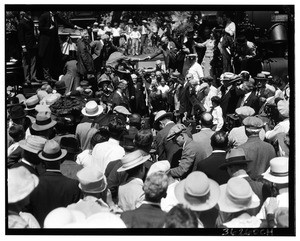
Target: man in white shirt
(110,150)
(195,69)
(135,37)
(116,34)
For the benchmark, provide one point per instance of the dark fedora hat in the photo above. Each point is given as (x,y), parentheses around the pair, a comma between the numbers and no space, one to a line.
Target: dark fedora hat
(17,112)
(234,156)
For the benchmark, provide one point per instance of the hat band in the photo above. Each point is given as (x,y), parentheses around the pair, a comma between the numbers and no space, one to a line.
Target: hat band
(238,200)
(133,162)
(196,199)
(279,174)
(43,122)
(236,158)
(51,155)
(92,111)
(98,186)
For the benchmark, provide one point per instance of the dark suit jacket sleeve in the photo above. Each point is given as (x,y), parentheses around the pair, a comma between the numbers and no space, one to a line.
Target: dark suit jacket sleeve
(64,22)
(159,146)
(21,34)
(187,160)
(44,24)
(158,52)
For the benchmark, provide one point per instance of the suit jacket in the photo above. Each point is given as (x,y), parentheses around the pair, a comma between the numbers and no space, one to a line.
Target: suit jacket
(54,190)
(146,216)
(260,152)
(251,101)
(167,150)
(116,99)
(26,34)
(192,152)
(85,63)
(229,100)
(210,166)
(49,37)
(203,138)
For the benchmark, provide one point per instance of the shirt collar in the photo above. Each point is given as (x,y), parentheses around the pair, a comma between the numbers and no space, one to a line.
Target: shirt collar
(218,151)
(53,170)
(151,203)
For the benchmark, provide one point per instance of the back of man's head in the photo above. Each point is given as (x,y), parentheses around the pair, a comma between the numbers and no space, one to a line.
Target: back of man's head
(181,217)
(206,119)
(116,127)
(155,187)
(219,140)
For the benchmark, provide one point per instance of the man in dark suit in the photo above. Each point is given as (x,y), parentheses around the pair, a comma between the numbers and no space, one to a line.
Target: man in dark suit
(54,189)
(49,48)
(166,150)
(169,51)
(210,165)
(249,98)
(149,214)
(28,43)
(119,96)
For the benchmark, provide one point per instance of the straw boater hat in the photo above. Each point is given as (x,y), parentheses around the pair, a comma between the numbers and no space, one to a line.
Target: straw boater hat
(91,180)
(52,151)
(245,111)
(237,195)
(234,156)
(92,109)
(43,122)
(33,143)
(159,116)
(60,217)
(278,172)
(32,102)
(20,183)
(197,191)
(132,160)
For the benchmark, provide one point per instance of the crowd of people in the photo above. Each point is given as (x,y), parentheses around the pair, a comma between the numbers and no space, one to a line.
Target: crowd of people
(179,144)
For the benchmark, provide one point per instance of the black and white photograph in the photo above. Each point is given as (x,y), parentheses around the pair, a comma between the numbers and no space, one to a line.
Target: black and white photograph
(149,119)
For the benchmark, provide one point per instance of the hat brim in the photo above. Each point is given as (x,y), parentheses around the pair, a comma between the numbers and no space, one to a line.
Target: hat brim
(212,200)
(225,205)
(43,127)
(156,122)
(33,108)
(279,180)
(224,165)
(62,155)
(144,159)
(97,190)
(100,110)
(19,195)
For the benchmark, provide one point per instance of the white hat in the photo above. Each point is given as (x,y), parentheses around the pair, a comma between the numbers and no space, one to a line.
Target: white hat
(92,109)
(20,183)
(91,180)
(237,195)
(132,160)
(278,172)
(159,166)
(60,217)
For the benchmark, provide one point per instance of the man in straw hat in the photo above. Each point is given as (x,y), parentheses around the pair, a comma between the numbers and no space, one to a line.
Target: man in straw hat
(237,136)
(43,126)
(54,189)
(236,201)
(236,165)
(200,194)
(20,183)
(131,193)
(166,150)
(93,186)
(260,152)
(84,130)
(27,154)
(16,132)
(191,153)
(278,174)
(149,214)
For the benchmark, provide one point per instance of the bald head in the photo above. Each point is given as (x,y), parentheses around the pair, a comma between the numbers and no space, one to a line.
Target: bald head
(206,119)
